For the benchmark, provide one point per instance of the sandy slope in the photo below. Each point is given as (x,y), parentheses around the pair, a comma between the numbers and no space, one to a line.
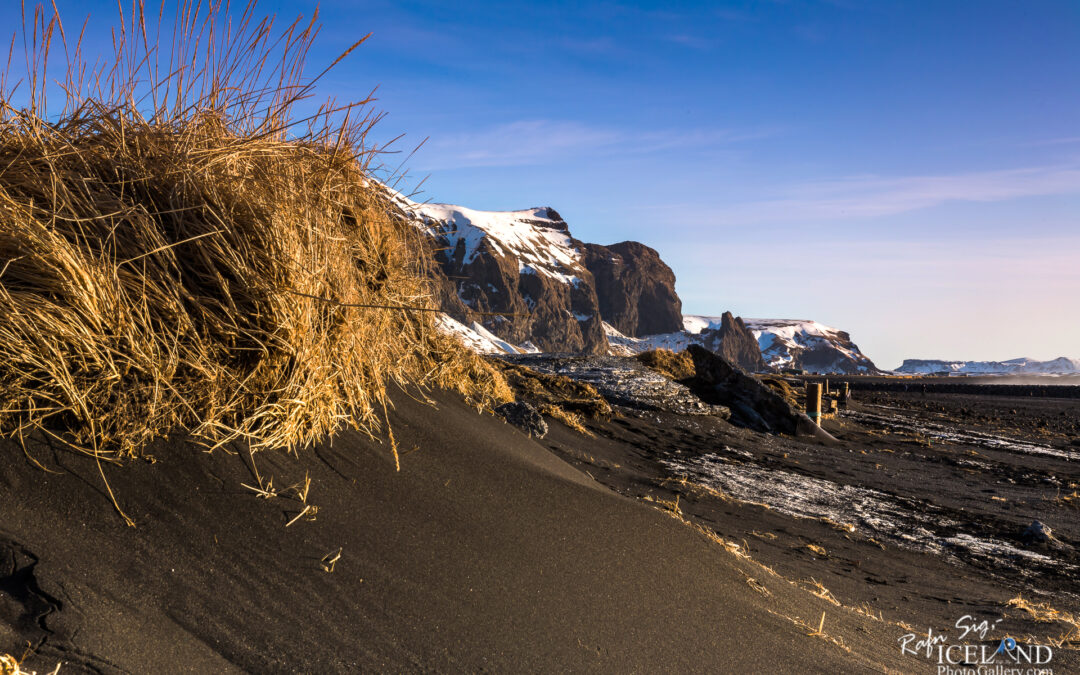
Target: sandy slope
(486,552)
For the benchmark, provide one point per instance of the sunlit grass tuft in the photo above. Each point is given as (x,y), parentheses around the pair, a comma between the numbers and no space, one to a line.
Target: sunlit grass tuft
(190,245)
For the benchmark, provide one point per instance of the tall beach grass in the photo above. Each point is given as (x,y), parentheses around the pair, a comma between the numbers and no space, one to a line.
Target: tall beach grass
(190,244)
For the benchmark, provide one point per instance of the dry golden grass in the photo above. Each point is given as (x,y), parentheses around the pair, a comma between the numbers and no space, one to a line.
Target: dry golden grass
(9,665)
(666,362)
(329,561)
(1043,612)
(818,589)
(557,396)
(814,631)
(688,486)
(180,250)
(670,505)
(784,389)
(756,585)
(570,419)
(836,525)
(1071,499)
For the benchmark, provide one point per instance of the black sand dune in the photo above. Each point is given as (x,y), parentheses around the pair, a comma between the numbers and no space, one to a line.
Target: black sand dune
(918,509)
(484,553)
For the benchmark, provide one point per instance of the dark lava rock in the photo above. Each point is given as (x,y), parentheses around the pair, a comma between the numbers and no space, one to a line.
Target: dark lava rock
(524,417)
(753,404)
(623,381)
(635,288)
(1038,535)
(734,342)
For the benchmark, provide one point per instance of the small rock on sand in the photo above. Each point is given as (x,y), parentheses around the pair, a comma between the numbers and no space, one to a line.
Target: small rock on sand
(1039,535)
(524,417)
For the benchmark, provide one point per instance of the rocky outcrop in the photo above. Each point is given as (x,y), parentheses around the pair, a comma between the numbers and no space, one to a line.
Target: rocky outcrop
(733,341)
(523,278)
(808,345)
(524,416)
(752,403)
(634,287)
(519,274)
(726,335)
(517,281)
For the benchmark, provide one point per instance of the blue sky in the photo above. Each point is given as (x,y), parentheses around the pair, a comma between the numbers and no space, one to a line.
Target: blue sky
(906,171)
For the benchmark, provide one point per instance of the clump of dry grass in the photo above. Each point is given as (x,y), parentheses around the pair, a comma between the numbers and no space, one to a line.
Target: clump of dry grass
(1043,612)
(756,585)
(677,366)
(784,388)
(560,397)
(1072,499)
(9,665)
(181,249)
(689,486)
(842,527)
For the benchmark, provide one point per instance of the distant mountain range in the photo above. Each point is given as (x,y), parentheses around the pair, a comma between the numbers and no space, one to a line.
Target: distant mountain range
(1022,366)
(798,344)
(518,281)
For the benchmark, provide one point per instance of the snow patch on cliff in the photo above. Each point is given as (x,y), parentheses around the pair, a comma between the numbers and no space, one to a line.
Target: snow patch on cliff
(536,237)
(480,339)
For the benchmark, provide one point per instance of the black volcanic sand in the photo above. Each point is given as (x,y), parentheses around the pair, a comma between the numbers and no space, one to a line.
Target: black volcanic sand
(920,561)
(486,552)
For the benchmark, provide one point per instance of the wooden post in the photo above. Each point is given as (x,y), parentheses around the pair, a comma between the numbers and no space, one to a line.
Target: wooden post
(845,391)
(825,391)
(813,401)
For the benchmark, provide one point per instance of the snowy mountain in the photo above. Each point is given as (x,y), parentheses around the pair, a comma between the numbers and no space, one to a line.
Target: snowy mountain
(726,335)
(479,339)
(808,345)
(523,278)
(538,238)
(514,281)
(782,343)
(1021,366)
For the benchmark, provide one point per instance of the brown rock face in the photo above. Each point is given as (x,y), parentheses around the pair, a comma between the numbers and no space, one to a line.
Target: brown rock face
(517,273)
(734,341)
(808,345)
(635,288)
(526,279)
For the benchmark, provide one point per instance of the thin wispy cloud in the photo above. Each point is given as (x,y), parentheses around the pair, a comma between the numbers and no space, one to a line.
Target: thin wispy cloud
(923,261)
(871,196)
(692,41)
(590,45)
(529,142)
(1067,140)
(733,15)
(810,33)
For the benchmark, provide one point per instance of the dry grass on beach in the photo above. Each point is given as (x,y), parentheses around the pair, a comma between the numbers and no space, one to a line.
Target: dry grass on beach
(190,244)
(677,366)
(1043,612)
(9,665)
(564,399)
(785,390)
